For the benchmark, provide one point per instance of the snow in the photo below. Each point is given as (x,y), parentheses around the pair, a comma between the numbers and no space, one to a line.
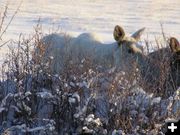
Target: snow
(45,94)
(118,132)
(96,16)
(90,112)
(83,84)
(76,95)
(156,100)
(28,93)
(2,109)
(90,118)
(25,129)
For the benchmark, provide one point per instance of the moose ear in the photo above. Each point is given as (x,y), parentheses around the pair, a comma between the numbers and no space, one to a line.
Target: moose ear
(138,34)
(119,33)
(174,45)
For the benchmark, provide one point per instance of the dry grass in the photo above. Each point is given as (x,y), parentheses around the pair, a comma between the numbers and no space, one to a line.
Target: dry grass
(3,15)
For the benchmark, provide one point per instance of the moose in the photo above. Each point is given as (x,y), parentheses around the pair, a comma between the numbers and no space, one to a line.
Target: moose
(122,54)
(64,48)
(160,70)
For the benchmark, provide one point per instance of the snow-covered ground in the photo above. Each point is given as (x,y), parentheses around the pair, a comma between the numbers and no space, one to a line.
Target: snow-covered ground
(98,16)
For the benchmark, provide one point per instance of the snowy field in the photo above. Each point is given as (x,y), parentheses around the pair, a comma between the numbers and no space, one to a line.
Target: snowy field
(98,16)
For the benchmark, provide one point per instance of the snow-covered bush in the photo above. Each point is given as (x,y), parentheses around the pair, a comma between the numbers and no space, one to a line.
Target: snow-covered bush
(84,99)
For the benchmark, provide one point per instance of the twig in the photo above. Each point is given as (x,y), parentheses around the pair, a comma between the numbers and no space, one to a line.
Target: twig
(163,33)
(11,20)
(5,43)
(3,17)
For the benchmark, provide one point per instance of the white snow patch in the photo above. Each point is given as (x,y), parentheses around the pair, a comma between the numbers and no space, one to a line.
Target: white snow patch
(45,94)
(156,100)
